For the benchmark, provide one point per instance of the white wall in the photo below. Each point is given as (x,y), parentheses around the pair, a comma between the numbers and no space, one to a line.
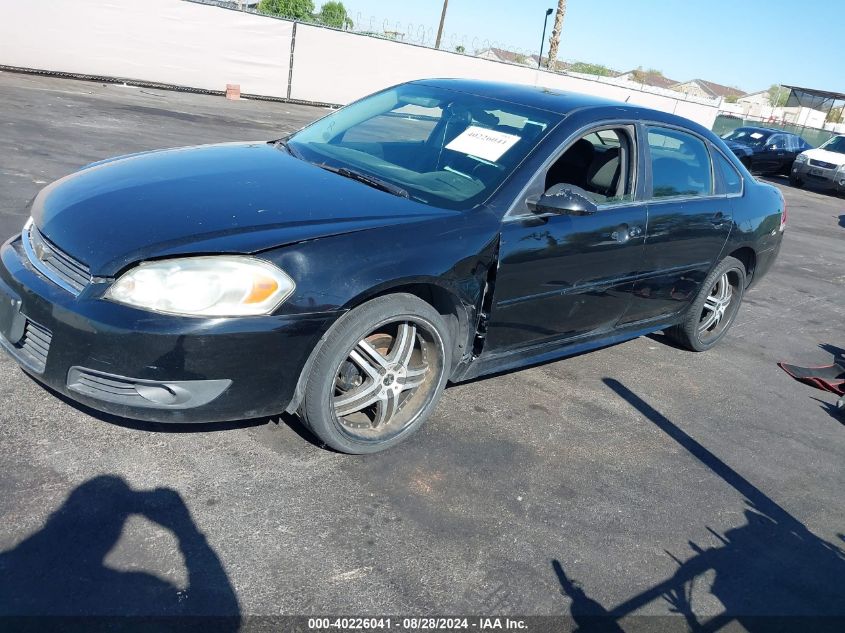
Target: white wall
(164,41)
(201,46)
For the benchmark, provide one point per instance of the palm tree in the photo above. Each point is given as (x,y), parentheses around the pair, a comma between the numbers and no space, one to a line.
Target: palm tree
(554,40)
(442,20)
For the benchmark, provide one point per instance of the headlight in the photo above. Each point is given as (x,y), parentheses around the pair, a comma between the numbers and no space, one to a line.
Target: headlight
(801,158)
(223,285)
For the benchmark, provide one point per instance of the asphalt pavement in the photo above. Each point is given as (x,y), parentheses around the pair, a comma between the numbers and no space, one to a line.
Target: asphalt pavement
(637,479)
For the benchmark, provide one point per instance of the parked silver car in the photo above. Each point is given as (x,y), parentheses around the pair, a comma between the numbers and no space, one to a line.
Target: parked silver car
(823,166)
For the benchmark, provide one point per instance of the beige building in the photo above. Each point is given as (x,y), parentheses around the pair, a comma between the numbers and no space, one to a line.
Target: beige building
(648,78)
(707,89)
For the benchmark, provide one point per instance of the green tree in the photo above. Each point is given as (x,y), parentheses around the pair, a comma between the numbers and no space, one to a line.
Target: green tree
(460,49)
(641,75)
(294,9)
(834,116)
(731,99)
(334,14)
(590,69)
(778,95)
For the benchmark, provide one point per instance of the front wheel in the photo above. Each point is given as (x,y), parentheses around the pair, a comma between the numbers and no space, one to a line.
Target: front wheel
(795,181)
(714,309)
(377,375)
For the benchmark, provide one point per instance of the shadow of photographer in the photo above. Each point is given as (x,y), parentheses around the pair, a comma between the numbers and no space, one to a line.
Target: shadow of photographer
(60,570)
(770,574)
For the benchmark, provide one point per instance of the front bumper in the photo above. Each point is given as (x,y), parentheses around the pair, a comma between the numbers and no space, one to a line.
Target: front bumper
(147,366)
(825,178)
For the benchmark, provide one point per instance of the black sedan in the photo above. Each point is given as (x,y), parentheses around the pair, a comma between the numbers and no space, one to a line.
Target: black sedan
(436,231)
(765,151)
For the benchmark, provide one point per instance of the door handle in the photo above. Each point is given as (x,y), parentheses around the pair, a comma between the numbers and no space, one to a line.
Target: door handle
(719,219)
(624,233)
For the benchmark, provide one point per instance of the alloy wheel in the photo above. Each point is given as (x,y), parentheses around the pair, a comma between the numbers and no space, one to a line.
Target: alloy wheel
(717,310)
(386,379)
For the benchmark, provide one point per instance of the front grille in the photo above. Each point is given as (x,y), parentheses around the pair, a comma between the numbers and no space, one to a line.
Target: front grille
(822,164)
(35,345)
(63,269)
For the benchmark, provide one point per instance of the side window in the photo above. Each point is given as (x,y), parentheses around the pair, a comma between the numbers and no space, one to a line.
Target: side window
(600,163)
(680,164)
(730,176)
(776,141)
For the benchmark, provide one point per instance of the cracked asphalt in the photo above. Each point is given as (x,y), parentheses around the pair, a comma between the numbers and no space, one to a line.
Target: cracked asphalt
(639,479)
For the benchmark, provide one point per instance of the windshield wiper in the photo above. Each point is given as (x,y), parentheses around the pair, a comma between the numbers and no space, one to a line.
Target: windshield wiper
(283,143)
(372,181)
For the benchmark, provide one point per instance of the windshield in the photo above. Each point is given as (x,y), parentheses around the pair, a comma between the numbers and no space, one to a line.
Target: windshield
(444,148)
(836,144)
(748,136)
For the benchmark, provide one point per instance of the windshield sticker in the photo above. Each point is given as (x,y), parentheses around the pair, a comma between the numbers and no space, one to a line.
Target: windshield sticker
(483,143)
(756,135)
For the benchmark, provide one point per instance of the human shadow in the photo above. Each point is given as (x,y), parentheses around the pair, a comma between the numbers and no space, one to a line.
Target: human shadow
(770,574)
(57,579)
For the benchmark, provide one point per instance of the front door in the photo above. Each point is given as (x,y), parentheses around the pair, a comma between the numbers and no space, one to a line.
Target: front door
(689,221)
(773,156)
(564,277)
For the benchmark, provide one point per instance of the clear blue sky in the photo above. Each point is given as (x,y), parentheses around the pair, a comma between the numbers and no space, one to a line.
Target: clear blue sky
(748,43)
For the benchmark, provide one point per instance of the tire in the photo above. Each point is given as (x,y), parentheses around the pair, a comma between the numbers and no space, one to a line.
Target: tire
(721,292)
(377,375)
(795,182)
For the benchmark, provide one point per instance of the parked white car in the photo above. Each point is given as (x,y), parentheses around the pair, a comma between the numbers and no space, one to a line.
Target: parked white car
(824,166)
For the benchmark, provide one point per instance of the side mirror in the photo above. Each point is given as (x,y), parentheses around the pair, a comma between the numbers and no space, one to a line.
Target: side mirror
(566,199)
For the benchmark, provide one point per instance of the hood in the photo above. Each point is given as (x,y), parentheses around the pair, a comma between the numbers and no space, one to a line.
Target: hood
(822,154)
(740,149)
(232,198)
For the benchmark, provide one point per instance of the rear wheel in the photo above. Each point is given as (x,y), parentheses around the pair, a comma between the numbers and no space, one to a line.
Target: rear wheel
(378,374)
(713,311)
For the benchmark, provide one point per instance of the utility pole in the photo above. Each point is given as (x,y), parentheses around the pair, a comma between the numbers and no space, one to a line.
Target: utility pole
(442,20)
(543,39)
(554,42)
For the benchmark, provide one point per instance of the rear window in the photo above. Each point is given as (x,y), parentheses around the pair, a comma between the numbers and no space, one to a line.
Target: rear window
(731,179)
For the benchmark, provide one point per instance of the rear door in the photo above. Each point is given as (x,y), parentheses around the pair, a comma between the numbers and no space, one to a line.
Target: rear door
(689,221)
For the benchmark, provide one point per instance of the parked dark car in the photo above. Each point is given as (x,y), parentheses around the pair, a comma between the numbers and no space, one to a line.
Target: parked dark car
(765,151)
(437,231)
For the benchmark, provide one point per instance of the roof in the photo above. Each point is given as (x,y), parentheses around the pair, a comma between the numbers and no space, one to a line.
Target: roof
(650,78)
(548,99)
(760,128)
(767,130)
(559,64)
(823,94)
(510,56)
(717,90)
